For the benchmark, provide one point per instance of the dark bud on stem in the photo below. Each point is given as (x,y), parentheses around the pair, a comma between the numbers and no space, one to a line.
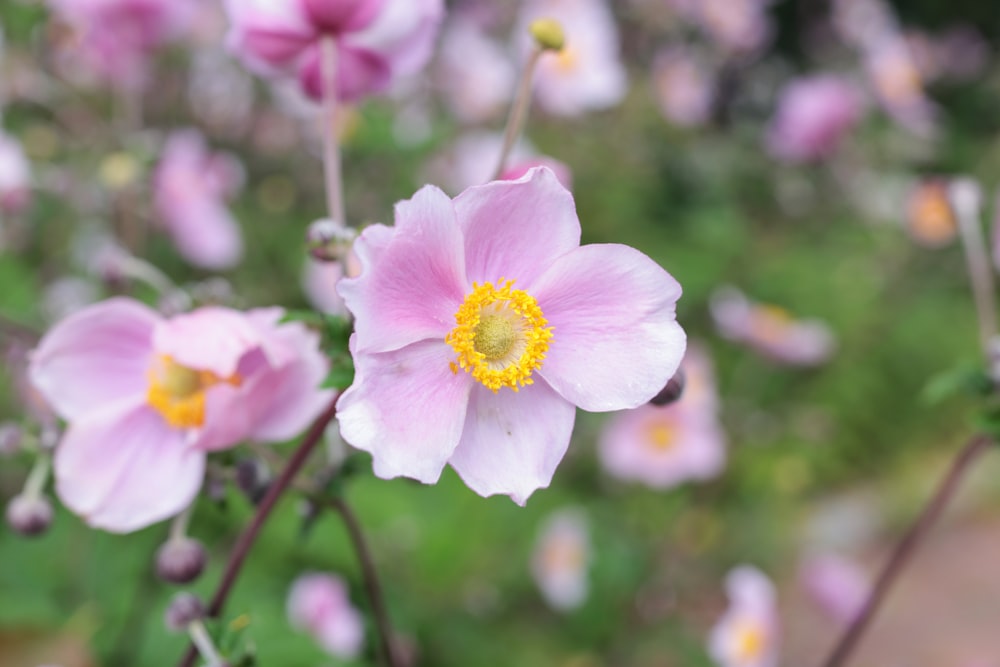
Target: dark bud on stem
(180,560)
(29,515)
(184,609)
(672,392)
(252,478)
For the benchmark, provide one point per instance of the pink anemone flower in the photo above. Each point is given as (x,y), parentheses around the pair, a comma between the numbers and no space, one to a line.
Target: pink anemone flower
(481,324)
(191,187)
(377,41)
(747,634)
(561,558)
(320,605)
(147,398)
(814,116)
(664,446)
(837,585)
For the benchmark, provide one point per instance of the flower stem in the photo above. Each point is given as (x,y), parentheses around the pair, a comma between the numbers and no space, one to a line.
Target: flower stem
(39,474)
(331,145)
(518,110)
(370,576)
(906,548)
(246,540)
(980,275)
(203,641)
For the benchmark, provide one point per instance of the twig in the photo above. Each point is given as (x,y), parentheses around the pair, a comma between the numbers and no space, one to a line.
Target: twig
(246,540)
(906,548)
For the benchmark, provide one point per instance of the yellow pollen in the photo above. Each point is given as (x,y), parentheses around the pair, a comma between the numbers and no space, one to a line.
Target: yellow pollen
(567,59)
(661,436)
(501,336)
(750,643)
(178,392)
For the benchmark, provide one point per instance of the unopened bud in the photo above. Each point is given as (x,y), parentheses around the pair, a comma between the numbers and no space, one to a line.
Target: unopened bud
(29,515)
(184,609)
(253,478)
(11,438)
(180,560)
(672,392)
(548,34)
(329,240)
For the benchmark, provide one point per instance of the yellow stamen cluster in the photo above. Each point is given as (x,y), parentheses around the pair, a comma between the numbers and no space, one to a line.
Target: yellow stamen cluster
(178,392)
(750,643)
(661,436)
(501,337)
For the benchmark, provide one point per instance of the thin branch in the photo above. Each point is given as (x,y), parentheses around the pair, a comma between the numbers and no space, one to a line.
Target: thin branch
(370,576)
(906,548)
(246,540)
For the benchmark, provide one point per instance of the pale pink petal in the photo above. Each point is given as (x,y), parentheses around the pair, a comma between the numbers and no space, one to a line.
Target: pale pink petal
(404,33)
(319,279)
(266,34)
(123,470)
(212,339)
(284,402)
(413,292)
(320,604)
(369,246)
(360,72)
(407,407)
(616,341)
(228,417)
(206,233)
(515,229)
(96,357)
(512,442)
(837,585)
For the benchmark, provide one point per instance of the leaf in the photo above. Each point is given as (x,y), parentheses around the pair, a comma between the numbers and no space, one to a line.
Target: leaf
(970,381)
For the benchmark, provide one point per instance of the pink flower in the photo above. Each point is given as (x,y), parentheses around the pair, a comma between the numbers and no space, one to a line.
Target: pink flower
(147,398)
(319,280)
(559,562)
(747,634)
(771,330)
(377,41)
(930,220)
(837,585)
(684,88)
(472,160)
(320,605)
(813,117)
(481,323)
(588,73)
(476,75)
(191,186)
(118,37)
(739,26)
(898,85)
(664,446)
(15,176)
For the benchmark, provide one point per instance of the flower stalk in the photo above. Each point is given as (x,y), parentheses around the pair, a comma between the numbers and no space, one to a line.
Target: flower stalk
(518,109)
(331,144)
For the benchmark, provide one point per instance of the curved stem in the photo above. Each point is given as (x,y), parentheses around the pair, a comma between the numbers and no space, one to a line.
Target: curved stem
(518,110)
(246,540)
(906,548)
(331,146)
(370,576)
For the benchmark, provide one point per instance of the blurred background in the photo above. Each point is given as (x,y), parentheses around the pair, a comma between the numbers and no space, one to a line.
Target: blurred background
(789,162)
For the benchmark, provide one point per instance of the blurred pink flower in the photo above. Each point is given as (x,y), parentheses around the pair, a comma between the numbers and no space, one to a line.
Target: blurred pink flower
(587,74)
(771,330)
(481,323)
(813,117)
(377,41)
(930,219)
(319,279)
(472,160)
(684,87)
(836,585)
(191,186)
(560,560)
(747,634)
(118,37)
(146,398)
(899,86)
(15,176)
(664,446)
(476,75)
(740,26)
(320,605)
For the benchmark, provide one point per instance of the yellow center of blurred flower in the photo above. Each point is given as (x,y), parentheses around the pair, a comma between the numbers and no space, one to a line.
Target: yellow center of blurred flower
(500,337)
(750,643)
(178,392)
(567,59)
(661,437)
(930,216)
(770,323)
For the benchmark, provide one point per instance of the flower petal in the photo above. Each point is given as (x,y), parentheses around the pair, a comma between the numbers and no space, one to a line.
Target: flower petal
(123,470)
(513,442)
(516,229)
(414,289)
(285,401)
(95,357)
(211,339)
(407,408)
(616,341)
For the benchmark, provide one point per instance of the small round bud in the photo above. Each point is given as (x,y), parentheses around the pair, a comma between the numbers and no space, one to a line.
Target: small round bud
(183,610)
(29,515)
(548,34)
(252,478)
(329,240)
(180,560)
(672,392)
(11,438)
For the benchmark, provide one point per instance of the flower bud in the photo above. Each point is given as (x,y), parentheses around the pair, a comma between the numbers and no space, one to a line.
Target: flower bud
(184,609)
(29,515)
(252,478)
(672,392)
(329,240)
(548,34)
(180,560)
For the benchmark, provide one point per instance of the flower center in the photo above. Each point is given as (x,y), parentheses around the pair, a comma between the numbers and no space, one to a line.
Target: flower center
(661,437)
(750,643)
(178,392)
(500,337)
(567,59)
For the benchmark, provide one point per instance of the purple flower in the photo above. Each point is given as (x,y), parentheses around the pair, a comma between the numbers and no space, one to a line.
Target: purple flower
(319,604)
(481,324)
(813,117)
(747,634)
